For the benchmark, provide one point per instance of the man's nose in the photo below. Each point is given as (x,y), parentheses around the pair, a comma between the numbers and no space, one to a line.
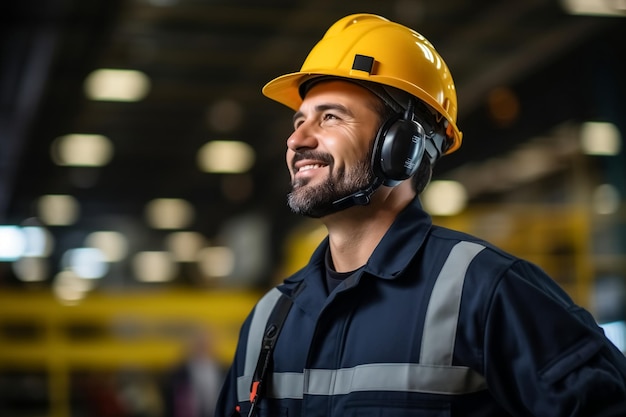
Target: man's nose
(302,138)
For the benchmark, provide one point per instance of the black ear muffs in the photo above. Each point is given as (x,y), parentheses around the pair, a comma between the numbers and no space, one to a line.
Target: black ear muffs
(398,148)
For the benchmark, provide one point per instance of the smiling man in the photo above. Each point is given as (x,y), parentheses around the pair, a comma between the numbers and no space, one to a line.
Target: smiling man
(394,316)
(328,150)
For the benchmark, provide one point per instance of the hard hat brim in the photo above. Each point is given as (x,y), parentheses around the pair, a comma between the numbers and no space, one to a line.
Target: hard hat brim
(285,89)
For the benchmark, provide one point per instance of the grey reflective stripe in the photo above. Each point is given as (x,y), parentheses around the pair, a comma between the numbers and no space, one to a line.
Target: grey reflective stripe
(434,374)
(442,314)
(243,387)
(286,385)
(262,313)
(407,377)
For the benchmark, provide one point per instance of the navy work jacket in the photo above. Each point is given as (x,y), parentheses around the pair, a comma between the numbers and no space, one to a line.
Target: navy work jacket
(437,323)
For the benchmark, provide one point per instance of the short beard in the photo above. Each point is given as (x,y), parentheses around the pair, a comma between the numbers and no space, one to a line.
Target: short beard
(317,201)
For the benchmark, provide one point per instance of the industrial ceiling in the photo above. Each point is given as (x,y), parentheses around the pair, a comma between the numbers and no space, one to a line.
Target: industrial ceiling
(202,55)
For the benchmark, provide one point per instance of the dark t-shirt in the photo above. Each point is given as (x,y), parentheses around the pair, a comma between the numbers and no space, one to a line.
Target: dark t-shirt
(334,278)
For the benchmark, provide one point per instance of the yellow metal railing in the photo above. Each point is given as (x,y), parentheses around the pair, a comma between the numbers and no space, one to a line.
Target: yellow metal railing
(119,331)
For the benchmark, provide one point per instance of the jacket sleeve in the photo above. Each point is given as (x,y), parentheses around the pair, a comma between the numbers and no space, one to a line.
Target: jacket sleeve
(544,355)
(227,400)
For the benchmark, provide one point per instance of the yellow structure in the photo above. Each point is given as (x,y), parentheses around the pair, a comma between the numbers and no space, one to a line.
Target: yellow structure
(109,332)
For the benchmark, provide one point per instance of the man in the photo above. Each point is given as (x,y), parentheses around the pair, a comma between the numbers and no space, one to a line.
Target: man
(394,316)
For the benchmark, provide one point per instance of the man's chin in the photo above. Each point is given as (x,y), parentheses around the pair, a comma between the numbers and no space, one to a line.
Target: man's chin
(315,209)
(315,212)
(302,202)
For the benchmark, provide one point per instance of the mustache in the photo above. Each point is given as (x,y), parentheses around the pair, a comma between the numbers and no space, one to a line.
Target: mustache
(326,158)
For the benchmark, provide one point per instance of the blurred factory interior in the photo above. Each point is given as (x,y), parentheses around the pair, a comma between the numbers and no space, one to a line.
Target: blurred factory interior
(142,176)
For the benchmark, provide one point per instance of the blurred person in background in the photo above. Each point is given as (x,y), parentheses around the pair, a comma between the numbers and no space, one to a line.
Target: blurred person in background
(191,388)
(101,395)
(395,316)
(138,392)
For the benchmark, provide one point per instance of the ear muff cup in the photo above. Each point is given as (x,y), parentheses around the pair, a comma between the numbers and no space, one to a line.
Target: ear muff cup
(398,149)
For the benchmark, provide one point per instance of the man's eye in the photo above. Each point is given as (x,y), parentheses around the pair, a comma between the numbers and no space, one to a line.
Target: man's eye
(329,116)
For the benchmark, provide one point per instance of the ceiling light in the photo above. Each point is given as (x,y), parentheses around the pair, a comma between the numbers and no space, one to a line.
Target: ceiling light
(89,263)
(113,245)
(117,85)
(221,156)
(29,241)
(600,138)
(169,213)
(185,245)
(58,210)
(28,269)
(444,198)
(39,241)
(12,243)
(154,266)
(595,7)
(82,150)
(70,288)
(216,261)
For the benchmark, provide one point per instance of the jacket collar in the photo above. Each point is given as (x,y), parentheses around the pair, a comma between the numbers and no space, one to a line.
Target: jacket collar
(400,244)
(393,254)
(395,250)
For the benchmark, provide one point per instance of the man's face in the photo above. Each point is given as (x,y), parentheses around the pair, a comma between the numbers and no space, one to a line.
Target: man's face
(329,152)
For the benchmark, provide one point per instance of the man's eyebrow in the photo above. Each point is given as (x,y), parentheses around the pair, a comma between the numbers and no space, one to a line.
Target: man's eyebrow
(323,107)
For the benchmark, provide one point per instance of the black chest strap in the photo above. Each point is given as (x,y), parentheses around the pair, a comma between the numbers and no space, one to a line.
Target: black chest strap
(272,330)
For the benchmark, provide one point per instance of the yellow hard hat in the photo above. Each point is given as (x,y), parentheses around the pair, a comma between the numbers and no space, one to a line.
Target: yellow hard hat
(368,47)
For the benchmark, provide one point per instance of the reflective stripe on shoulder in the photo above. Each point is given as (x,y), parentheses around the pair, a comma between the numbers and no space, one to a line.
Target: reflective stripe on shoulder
(262,312)
(442,315)
(434,373)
